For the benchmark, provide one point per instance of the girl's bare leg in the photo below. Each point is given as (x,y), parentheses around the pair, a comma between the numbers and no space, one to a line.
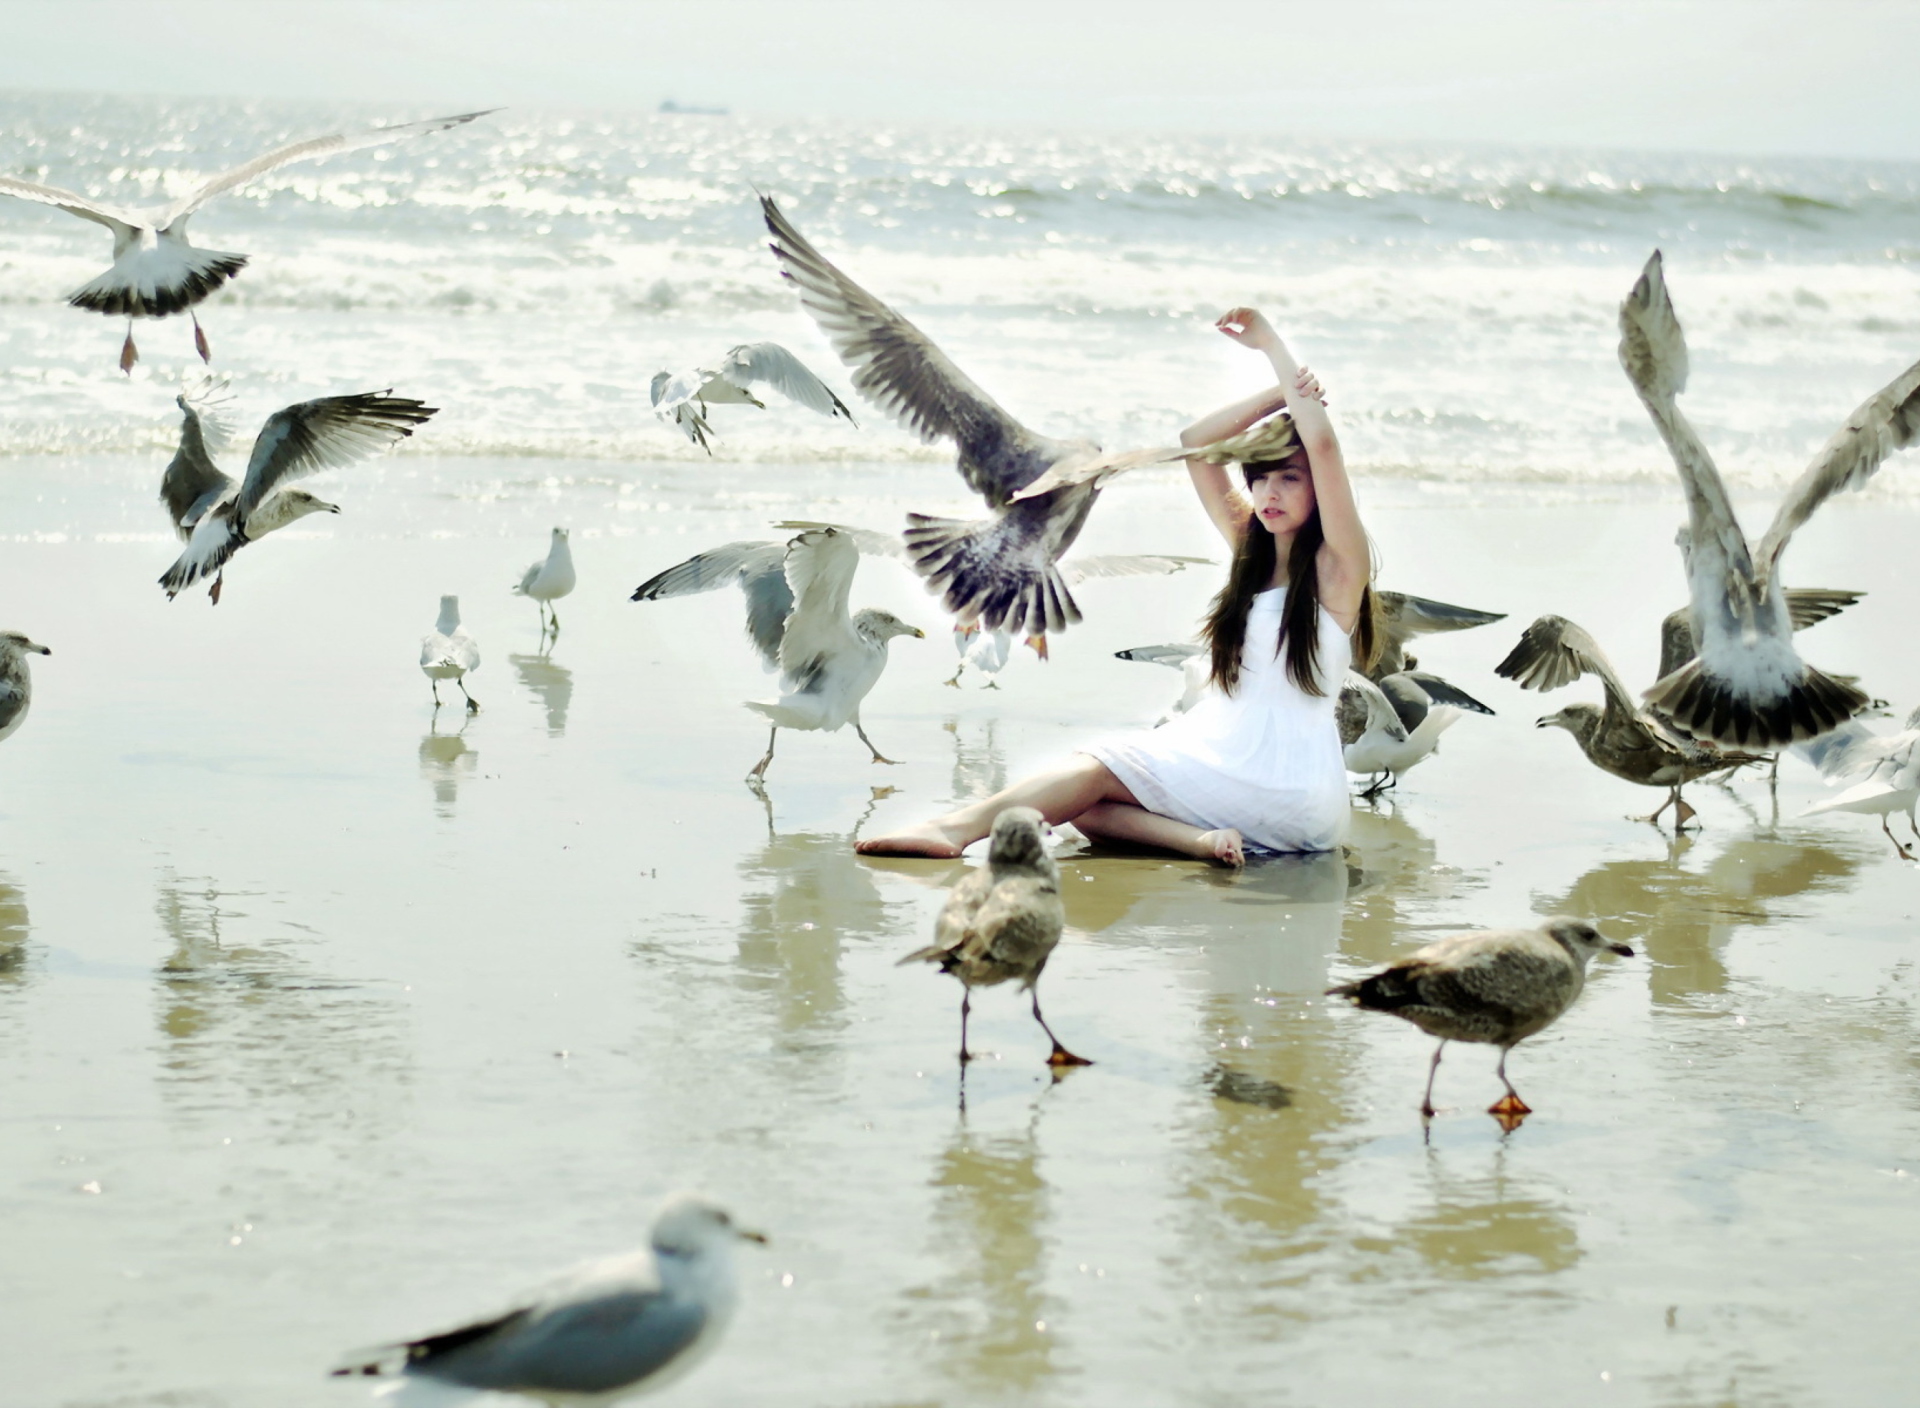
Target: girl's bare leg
(1120,821)
(1060,795)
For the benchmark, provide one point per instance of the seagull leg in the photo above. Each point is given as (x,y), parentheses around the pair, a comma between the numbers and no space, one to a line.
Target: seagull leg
(1060,1055)
(1905,853)
(1433,1069)
(213,592)
(954,683)
(1682,813)
(878,757)
(760,768)
(1510,1103)
(473,705)
(966,1006)
(129,354)
(200,338)
(556,620)
(436,692)
(1654,818)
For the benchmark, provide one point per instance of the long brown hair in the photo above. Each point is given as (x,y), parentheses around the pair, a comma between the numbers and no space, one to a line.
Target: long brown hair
(1254,560)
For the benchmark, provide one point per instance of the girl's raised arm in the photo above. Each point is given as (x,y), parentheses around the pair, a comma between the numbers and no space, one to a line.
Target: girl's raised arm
(1226,505)
(1346,563)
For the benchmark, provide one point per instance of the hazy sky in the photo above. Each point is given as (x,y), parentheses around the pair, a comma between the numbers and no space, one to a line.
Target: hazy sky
(1825,78)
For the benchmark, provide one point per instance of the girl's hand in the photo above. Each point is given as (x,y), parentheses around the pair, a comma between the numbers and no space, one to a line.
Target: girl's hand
(1307,384)
(1249,327)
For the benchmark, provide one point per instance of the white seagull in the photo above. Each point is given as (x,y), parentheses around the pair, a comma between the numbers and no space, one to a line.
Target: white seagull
(1884,768)
(1002,570)
(16,680)
(549,579)
(601,1331)
(682,400)
(156,272)
(1748,687)
(449,653)
(1388,726)
(797,615)
(217,516)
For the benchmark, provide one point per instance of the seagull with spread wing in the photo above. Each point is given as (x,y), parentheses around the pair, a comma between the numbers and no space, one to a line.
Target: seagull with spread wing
(1002,570)
(829,660)
(1747,686)
(217,516)
(1620,738)
(1398,617)
(682,400)
(156,272)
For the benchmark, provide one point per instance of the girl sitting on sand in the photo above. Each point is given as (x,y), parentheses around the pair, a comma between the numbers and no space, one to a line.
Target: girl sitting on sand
(1258,759)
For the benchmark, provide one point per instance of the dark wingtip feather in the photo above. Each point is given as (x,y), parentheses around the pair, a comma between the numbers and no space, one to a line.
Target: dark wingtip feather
(1707,708)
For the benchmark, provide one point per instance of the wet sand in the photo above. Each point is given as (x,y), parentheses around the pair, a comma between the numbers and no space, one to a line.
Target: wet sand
(324,1020)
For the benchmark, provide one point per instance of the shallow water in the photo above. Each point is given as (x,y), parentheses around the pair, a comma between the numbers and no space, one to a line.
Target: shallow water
(325,1020)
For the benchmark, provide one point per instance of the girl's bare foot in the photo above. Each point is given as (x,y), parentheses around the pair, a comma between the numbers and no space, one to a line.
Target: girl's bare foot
(1224,846)
(927,839)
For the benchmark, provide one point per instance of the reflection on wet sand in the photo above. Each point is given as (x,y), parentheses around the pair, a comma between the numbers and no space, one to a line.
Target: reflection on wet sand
(979,765)
(987,1317)
(1481,1226)
(13,935)
(549,683)
(445,759)
(1684,917)
(1402,880)
(251,1026)
(801,896)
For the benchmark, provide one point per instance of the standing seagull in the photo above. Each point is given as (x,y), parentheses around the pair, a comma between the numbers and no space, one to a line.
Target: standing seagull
(682,400)
(218,517)
(797,615)
(1498,987)
(1422,705)
(156,272)
(600,1332)
(1002,922)
(1620,738)
(449,653)
(1748,686)
(549,579)
(1003,570)
(16,680)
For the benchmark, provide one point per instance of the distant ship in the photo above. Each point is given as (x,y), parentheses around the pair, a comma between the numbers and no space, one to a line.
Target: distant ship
(690,110)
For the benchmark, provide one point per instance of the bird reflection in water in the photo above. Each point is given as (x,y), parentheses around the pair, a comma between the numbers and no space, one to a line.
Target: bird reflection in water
(14,929)
(988,1316)
(445,760)
(803,895)
(550,683)
(250,1026)
(1684,917)
(979,764)
(1485,1226)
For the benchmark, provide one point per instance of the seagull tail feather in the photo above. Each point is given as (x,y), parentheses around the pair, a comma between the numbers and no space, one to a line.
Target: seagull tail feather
(1386,991)
(1710,708)
(976,567)
(932,953)
(157,283)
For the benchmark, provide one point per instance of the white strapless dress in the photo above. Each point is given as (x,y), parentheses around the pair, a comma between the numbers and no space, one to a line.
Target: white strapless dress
(1264,760)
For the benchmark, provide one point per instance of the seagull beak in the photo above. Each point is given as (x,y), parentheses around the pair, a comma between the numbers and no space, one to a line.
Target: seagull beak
(747,1234)
(919,634)
(1547,722)
(1624,950)
(332,508)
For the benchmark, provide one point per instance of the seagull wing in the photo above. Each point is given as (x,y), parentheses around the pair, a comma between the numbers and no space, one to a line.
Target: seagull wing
(759,568)
(312,149)
(1555,652)
(121,222)
(1079,569)
(306,438)
(1401,617)
(770,364)
(1097,468)
(1172,656)
(820,565)
(1380,712)
(1887,421)
(1442,692)
(192,483)
(898,368)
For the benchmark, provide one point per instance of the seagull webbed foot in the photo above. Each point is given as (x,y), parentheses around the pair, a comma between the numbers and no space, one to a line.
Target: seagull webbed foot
(1509,1104)
(1063,1057)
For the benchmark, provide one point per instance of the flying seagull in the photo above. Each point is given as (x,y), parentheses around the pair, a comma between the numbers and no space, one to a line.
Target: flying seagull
(599,1332)
(16,680)
(1399,617)
(1621,738)
(449,653)
(682,400)
(1747,686)
(1002,921)
(156,272)
(797,616)
(1002,570)
(549,579)
(217,517)
(1497,987)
